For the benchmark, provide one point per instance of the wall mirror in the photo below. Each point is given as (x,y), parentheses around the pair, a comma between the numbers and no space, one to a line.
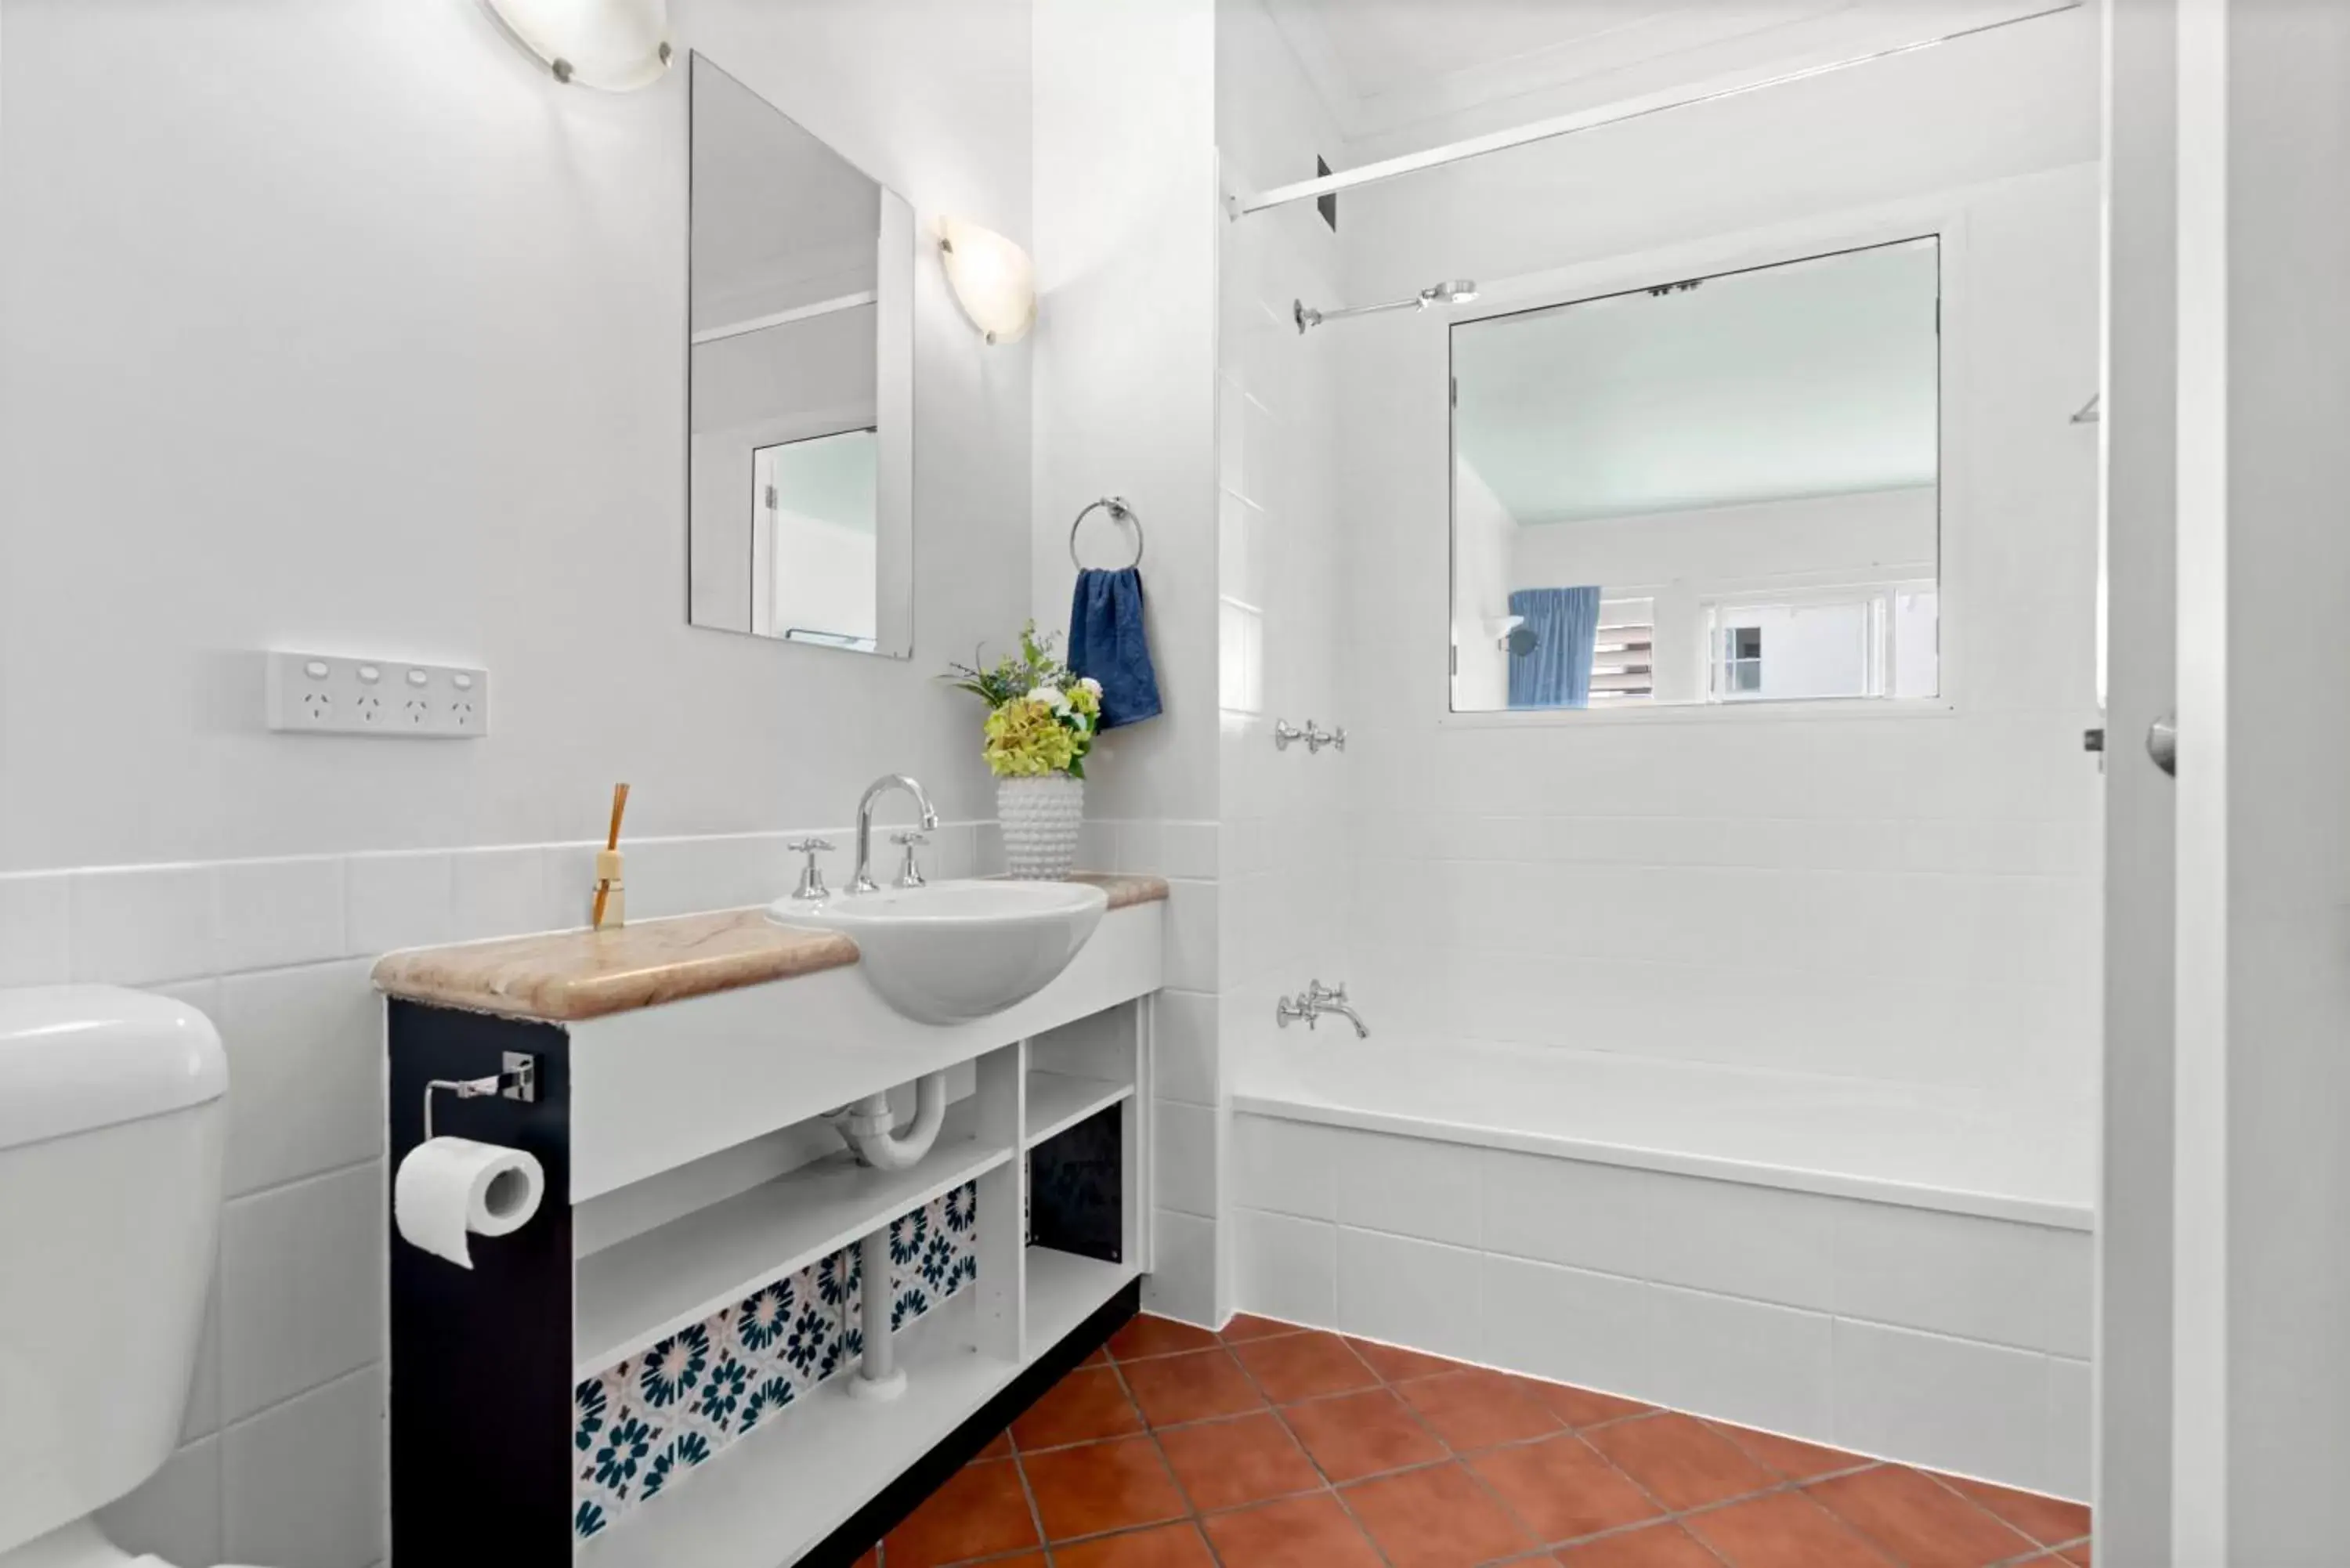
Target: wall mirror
(1719,490)
(800,400)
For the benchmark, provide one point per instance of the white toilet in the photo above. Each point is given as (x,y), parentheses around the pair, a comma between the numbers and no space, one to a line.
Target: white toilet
(113,1106)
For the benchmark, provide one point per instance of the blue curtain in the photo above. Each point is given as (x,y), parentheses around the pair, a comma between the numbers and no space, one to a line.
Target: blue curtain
(1557,672)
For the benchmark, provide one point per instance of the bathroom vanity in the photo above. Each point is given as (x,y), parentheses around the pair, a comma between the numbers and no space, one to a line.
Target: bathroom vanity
(657,1368)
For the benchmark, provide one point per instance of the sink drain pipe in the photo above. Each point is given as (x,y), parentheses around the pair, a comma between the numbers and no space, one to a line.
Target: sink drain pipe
(869,1127)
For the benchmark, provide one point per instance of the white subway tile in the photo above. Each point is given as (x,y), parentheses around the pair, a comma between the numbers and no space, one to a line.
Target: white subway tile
(1410,1293)
(1183,1158)
(1192,927)
(35,915)
(1184,1047)
(1289,1168)
(1190,849)
(302,1287)
(1288,1267)
(1183,1279)
(2070,1283)
(137,925)
(1568,1326)
(500,893)
(2072,1416)
(1412,1187)
(1097,845)
(1743,1361)
(305,1482)
(306,1072)
(1949,1404)
(397,900)
(176,1513)
(274,913)
(1953,1273)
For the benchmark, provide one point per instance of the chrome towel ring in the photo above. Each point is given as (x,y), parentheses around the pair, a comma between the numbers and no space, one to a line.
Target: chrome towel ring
(1119,511)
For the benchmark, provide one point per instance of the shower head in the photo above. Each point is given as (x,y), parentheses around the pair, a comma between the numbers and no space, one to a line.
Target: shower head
(1451,291)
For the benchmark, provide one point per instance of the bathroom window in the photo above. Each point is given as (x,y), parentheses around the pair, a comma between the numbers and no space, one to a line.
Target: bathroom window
(1712,490)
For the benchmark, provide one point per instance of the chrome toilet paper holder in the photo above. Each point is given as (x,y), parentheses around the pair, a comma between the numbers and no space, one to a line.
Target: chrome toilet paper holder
(517,1079)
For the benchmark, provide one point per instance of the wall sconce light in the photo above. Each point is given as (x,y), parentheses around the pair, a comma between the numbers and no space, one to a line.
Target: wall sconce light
(993,278)
(616,45)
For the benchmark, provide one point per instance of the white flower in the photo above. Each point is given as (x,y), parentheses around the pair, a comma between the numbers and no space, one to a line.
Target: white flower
(1052,697)
(1090,684)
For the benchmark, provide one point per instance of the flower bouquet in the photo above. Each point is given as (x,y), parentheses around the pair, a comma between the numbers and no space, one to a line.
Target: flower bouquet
(1040,722)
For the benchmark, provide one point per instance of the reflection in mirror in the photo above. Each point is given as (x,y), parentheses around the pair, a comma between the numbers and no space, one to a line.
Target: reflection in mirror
(800,504)
(1718,490)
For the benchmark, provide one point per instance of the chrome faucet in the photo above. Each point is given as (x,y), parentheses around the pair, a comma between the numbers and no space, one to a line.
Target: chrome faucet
(1315,1000)
(863,882)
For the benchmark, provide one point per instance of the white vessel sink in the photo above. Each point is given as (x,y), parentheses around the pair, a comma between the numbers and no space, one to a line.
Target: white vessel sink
(961,950)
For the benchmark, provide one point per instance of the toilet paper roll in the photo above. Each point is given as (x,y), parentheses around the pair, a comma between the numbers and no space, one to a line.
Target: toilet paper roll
(450,1186)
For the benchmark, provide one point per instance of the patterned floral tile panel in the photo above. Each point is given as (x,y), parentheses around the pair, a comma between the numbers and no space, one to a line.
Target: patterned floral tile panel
(640,1427)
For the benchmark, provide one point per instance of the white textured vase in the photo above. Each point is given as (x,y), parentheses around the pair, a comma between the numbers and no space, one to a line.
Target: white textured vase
(1040,817)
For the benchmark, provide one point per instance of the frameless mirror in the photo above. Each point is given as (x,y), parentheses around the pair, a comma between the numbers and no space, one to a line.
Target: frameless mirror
(800,403)
(1713,490)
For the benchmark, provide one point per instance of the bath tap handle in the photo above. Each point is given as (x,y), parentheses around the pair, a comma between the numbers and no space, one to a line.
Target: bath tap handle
(811,887)
(1283,732)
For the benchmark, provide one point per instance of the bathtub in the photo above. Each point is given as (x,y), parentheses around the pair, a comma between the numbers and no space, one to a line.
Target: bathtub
(1901,1270)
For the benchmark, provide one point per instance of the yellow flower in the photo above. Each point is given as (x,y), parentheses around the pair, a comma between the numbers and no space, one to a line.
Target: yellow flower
(1024,739)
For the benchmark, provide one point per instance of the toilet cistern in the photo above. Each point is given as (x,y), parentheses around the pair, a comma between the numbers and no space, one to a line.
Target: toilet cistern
(862,882)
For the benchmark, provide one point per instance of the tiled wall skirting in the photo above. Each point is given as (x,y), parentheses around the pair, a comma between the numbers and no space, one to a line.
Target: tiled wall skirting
(1933,1338)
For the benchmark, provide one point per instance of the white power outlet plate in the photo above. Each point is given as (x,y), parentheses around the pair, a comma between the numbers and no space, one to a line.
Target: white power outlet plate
(327,693)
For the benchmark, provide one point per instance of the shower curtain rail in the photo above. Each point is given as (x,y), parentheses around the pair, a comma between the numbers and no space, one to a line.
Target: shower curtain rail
(1617,113)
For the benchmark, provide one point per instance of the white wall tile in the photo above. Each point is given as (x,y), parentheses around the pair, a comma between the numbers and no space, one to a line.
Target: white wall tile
(274,913)
(137,925)
(303,1483)
(1183,1158)
(36,914)
(302,1291)
(500,893)
(1289,1168)
(1288,1267)
(1183,1279)
(1412,1187)
(1949,1404)
(1189,850)
(1191,925)
(306,1072)
(1411,1293)
(1745,1361)
(2072,1413)
(2070,1283)
(1568,1326)
(1184,1047)
(1958,1274)
(1723,1236)
(176,1513)
(397,900)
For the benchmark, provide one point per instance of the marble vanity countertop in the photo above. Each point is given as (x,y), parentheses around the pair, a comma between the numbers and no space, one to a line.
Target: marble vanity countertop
(565,976)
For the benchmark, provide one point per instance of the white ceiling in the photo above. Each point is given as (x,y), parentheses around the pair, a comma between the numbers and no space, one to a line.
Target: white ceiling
(1384,67)
(1813,379)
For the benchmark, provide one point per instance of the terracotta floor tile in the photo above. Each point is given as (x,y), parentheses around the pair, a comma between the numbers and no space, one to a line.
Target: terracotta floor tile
(980,1511)
(1358,1435)
(1791,1457)
(1148,1335)
(1169,1546)
(1784,1529)
(2076,1555)
(1560,1488)
(1303,1532)
(1192,1386)
(2050,1521)
(1303,1366)
(1438,1517)
(1244,1326)
(872,1559)
(1580,1406)
(1476,1409)
(1100,1486)
(1917,1520)
(1682,1461)
(1657,1546)
(1099,1358)
(999,1447)
(1087,1406)
(1395,1364)
(1223,1464)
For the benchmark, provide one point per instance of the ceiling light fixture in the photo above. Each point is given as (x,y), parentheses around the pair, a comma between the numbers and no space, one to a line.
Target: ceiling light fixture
(993,280)
(615,45)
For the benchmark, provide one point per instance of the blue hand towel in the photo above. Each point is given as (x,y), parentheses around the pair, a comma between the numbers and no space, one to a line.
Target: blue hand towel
(1107,642)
